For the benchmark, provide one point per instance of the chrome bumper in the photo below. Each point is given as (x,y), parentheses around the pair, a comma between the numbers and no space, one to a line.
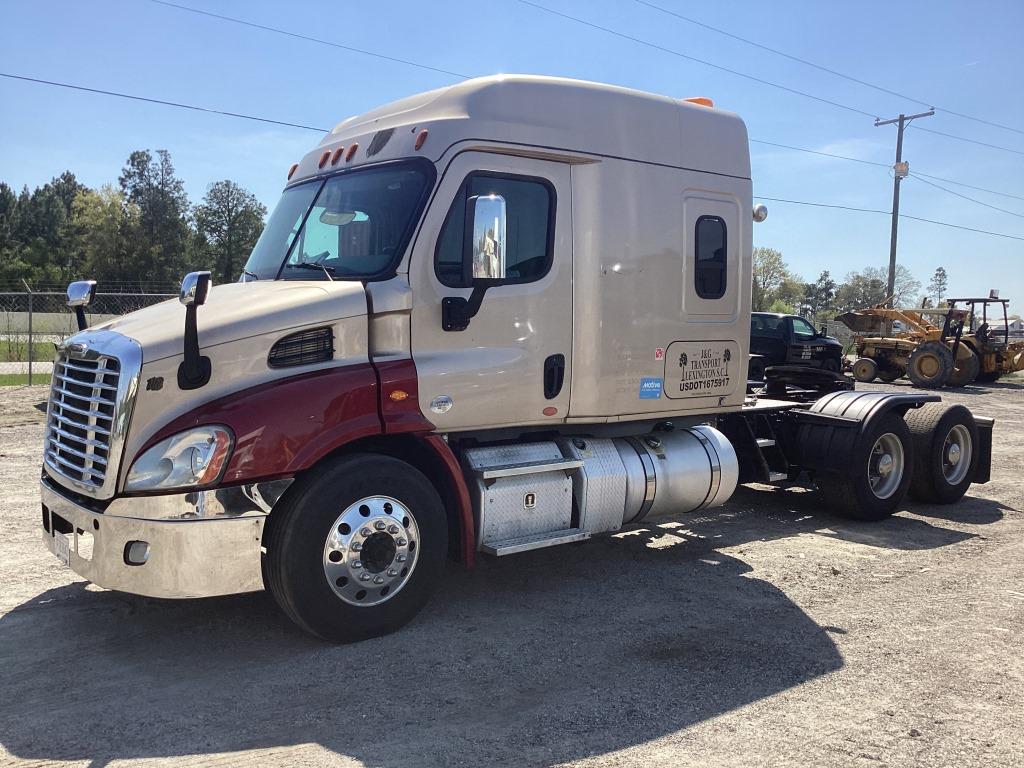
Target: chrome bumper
(186,558)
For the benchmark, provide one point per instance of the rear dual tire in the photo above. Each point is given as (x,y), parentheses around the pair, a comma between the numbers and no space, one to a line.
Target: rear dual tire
(945,452)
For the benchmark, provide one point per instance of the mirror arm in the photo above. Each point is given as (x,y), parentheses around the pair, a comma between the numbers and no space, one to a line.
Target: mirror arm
(456,312)
(80,316)
(194,371)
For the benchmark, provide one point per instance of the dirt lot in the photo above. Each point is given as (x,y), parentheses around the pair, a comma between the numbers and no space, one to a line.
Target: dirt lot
(767,633)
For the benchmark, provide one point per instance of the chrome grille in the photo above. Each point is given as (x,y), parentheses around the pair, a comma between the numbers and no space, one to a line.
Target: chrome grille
(82,413)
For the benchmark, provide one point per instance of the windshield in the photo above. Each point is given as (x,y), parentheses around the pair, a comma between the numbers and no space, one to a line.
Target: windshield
(351,226)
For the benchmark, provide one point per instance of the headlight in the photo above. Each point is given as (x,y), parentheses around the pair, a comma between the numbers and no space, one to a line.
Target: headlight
(193,458)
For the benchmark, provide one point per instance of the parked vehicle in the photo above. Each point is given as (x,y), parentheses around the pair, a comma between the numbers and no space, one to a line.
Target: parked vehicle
(507,314)
(778,339)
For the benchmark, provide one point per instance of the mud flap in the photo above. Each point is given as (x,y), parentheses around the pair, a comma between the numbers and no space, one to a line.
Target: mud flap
(983,471)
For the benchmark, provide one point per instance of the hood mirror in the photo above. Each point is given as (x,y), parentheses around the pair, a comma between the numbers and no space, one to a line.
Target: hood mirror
(338,218)
(194,370)
(80,295)
(194,288)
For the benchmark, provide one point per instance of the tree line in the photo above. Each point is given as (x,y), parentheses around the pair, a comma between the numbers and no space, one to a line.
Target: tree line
(777,289)
(140,234)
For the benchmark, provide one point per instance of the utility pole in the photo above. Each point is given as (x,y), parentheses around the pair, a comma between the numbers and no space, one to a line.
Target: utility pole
(900,169)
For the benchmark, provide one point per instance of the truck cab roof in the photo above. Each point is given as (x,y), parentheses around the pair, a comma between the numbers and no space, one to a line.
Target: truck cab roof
(544,114)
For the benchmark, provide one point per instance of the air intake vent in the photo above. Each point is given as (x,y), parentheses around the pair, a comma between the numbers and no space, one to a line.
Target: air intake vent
(302,348)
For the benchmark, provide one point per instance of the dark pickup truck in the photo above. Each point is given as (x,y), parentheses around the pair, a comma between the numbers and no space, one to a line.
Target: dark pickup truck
(777,339)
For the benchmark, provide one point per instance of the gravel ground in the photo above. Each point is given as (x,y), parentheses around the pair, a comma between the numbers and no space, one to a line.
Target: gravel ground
(767,633)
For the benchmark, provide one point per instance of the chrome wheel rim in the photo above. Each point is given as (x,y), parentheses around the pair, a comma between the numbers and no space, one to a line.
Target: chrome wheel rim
(956,454)
(371,551)
(885,465)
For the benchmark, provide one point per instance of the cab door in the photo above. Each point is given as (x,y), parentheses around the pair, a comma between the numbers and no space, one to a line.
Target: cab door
(511,365)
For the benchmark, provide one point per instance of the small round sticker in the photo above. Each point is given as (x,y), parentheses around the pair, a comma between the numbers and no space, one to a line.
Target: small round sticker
(441,404)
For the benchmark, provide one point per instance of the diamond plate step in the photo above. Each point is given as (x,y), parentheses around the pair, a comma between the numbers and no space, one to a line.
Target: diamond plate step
(536,541)
(527,468)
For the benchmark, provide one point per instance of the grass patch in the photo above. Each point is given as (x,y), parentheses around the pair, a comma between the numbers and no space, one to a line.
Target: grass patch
(21,379)
(12,351)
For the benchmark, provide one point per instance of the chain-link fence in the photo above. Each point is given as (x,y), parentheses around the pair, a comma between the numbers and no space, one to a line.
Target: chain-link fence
(32,322)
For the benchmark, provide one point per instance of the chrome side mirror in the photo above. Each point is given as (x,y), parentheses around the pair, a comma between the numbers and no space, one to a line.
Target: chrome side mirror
(80,295)
(194,288)
(760,212)
(485,241)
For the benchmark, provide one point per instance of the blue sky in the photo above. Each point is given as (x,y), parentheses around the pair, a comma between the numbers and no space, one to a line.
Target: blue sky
(963,56)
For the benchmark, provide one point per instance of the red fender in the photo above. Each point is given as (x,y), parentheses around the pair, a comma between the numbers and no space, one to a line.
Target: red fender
(288,425)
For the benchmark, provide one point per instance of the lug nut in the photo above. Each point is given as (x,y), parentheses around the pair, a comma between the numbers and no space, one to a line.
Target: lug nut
(380,525)
(357,546)
(378,579)
(357,564)
(364,577)
(393,529)
(392,572)
(401,542)
(400,558)
(365,532)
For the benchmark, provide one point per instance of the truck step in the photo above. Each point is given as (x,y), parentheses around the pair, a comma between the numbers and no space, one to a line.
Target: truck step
(777,477)
(536,541)
(765,442)
(528,468)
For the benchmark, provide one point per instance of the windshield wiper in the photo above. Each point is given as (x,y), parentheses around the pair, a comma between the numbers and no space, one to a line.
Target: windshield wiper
(247,273)
(329,271)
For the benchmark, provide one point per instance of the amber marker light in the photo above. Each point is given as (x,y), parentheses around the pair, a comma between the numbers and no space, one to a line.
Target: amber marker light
(398,395)
(323,158)
(292,170)
(704,101)
(337,155)
(421,138)
(351,152)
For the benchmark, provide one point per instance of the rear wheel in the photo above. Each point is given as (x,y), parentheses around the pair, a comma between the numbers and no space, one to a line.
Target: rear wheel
(966,368)
(874,484)
(945,451)
(930,365)
(357,548)
(865,369)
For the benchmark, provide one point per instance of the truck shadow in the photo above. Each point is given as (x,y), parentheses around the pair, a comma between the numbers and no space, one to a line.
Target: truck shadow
(538,659)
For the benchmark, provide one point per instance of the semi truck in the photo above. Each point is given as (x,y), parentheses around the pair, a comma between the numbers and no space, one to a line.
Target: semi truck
(508,314)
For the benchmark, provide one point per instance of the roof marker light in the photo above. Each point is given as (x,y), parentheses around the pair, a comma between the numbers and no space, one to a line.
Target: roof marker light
(292,170)
(704,101)
(351,152)
(421,137)
(323,158)
(337,155)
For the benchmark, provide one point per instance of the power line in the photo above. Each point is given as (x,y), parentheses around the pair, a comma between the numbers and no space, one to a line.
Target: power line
(969,186)
(970,141)
(308,38)
(888,213)
(682,55)
(818,152)
(965,197)
(822,68)
(193,107)
(160,101)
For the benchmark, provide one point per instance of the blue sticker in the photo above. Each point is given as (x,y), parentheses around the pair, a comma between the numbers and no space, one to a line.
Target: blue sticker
(650,388)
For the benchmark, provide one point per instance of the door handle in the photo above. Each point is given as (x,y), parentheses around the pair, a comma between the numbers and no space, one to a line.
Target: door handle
(554,375)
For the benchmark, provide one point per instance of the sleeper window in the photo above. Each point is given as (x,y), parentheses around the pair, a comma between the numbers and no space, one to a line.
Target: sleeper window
(529,205)
(710,257)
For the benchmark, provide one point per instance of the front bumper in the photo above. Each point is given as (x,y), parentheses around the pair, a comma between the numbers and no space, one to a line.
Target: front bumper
(186,558)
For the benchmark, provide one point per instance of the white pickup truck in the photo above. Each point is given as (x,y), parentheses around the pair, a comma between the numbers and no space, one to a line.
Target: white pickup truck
(507,314)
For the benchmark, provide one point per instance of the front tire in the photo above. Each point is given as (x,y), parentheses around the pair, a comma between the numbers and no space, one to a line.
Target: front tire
(945,452)
(966,369)
(876,481)
(865,369)
(356,547)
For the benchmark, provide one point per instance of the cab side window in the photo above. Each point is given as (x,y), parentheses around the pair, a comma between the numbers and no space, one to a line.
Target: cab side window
(802,330)
(710,257)
(530,211)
